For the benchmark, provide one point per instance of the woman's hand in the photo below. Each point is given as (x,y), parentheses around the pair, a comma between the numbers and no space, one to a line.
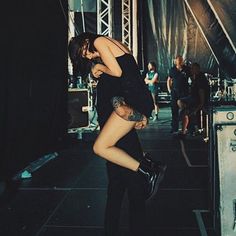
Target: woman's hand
(146,80)
(96,71)
(141,124)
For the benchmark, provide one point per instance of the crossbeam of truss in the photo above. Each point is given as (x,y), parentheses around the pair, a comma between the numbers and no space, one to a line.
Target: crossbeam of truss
(126,23)
(104,17)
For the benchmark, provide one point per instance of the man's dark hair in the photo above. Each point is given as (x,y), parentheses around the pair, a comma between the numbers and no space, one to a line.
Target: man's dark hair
(196,65)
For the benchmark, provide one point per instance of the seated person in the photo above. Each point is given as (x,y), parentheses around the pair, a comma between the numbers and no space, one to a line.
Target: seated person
(197,99)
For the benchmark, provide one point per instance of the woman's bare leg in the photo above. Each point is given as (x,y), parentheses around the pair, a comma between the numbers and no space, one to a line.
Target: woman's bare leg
(114,129)
(156,107)
(185,121)
(184,118)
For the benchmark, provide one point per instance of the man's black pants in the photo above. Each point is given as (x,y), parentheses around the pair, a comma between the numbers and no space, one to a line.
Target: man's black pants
(121,180)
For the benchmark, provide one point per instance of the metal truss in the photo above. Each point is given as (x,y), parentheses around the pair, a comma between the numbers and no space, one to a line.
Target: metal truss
(126,23)
(104,17)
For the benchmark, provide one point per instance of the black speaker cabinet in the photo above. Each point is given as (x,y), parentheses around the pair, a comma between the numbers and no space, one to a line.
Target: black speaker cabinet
(78,115)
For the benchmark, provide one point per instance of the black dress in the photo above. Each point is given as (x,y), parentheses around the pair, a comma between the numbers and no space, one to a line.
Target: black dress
(129,91)
(133,90)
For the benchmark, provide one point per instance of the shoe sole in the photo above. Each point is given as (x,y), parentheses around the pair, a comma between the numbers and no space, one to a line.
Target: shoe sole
(158,181)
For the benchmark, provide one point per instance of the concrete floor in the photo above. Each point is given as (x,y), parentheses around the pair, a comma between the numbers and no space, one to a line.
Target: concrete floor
(67,196)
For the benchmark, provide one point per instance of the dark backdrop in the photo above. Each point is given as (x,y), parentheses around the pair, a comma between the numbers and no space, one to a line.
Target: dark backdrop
(33,89)
(170,29)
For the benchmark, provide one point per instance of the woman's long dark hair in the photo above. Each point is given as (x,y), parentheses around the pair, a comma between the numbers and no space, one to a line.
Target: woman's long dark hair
(154,66)
(77,43)
(75,48)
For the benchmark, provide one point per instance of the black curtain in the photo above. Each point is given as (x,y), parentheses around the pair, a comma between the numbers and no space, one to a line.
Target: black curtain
(164,33)
(213,30)
(34,84)
(193,29)
(225,11)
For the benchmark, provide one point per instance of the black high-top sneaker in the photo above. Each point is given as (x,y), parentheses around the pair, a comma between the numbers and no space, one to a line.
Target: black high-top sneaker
(153,164)
(153,175)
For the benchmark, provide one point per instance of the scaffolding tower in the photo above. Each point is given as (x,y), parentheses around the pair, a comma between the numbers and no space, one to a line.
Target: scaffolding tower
(104,17)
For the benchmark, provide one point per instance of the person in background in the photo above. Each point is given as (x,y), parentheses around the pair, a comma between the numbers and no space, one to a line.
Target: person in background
(177,85)
(151,80)
(196,100)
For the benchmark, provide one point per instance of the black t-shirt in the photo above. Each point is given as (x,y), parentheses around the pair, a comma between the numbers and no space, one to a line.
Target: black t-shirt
(180,80)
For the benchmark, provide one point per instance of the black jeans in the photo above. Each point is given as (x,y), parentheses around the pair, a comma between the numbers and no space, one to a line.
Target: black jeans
(121,180)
